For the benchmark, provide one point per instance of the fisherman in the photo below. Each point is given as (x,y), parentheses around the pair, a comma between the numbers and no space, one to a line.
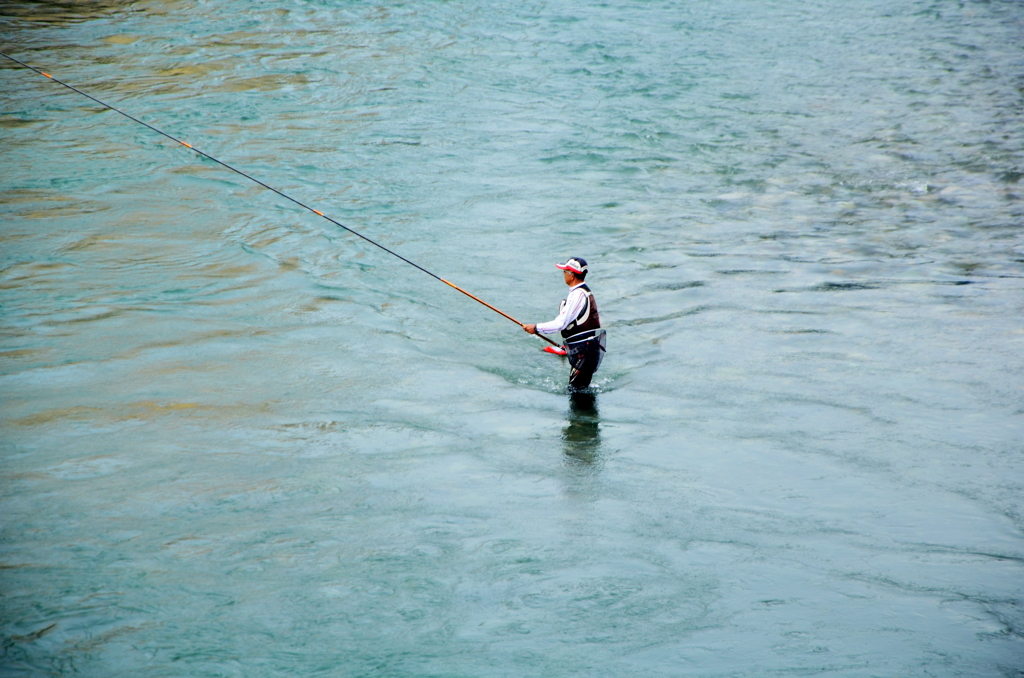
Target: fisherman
(579,324)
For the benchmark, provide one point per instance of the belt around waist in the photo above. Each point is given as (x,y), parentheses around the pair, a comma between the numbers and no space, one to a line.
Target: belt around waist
(582,336)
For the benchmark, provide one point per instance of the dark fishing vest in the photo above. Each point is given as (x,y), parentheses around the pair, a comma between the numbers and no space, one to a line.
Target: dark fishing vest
(587,320)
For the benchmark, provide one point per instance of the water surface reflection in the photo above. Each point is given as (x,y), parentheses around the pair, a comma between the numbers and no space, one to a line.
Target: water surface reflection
(57,12)
(581,437)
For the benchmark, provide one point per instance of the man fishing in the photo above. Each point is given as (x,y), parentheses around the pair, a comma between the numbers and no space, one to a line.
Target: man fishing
(577,319)
(579,324)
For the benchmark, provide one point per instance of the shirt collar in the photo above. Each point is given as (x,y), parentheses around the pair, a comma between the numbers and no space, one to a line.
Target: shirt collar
(575,286)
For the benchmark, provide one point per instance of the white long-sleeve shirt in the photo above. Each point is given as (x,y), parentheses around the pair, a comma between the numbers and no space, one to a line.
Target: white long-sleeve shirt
(569,310)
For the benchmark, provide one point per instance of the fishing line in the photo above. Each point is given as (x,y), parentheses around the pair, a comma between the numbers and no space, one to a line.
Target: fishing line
(270,188)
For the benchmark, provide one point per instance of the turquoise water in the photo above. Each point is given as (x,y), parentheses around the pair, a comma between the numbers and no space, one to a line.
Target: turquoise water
(238,441)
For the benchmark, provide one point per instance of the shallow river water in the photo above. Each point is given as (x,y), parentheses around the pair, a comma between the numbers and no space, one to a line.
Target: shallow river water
(238,441)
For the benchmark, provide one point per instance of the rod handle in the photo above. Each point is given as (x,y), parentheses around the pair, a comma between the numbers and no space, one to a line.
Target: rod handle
(496,310)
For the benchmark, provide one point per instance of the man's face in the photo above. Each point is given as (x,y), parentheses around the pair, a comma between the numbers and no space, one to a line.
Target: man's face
(570,277)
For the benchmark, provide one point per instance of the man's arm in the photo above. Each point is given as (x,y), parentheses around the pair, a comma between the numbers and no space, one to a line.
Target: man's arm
(573,305)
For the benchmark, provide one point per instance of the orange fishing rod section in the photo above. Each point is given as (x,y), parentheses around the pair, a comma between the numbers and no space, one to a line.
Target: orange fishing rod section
(268,187)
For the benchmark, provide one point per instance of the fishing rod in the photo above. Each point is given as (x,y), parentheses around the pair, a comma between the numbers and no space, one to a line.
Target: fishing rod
(271,188)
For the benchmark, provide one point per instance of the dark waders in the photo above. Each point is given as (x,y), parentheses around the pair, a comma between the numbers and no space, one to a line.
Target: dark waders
(585,352)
